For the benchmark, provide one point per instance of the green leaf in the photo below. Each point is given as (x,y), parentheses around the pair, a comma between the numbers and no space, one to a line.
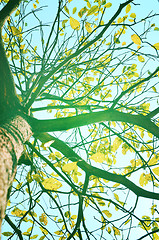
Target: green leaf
(7,234)
(92,10)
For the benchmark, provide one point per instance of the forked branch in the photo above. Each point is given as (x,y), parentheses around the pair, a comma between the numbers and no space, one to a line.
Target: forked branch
(71,155)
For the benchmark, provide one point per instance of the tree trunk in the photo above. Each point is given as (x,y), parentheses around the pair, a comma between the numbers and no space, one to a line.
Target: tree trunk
(14,128)
(12,138)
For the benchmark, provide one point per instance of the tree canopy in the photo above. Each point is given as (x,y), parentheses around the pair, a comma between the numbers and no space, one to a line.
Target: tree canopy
(86,73)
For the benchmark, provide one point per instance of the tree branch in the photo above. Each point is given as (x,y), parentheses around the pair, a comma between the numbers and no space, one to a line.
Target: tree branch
(17,231)
(70,154)
(153,113)
(62,124)
(134,86)
(7,10)
(43,79)
(8,98)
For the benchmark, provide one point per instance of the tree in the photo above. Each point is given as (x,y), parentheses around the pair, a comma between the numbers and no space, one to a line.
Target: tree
(85,167)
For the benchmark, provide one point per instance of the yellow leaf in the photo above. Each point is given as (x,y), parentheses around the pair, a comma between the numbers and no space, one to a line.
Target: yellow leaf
(86,201)
(51,184)
(112,69)
(43,219)
(92,10)
(116,197)
(131,20)
(19,185)
(147,225)
(156,171)
(8,203)
(136,39)
(89,79)
(29,229)
(141,58)
(34,6)
(69,167)
(88,4)
(17,13)
(128,8)
(17,212)
(116,185)
(26,233)
(82,12)
(58,233)
(88,27)
(98,157)
(66,9)
(22,46)
(123,43)
(37,177)
(34,236)
(62,238)
(142,134)
(14,30)
(63,23)
(156,45)
(120,20)
(74,10)
(74,23)
(143,179)
(154,89)
(43,230)
(133,15)
(116,144)
(153,161)
(109,230)
(108,5)
(107,213)
(116,231)
(127,221)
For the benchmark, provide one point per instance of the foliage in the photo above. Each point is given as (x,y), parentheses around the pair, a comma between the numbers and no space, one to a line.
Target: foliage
(87,182)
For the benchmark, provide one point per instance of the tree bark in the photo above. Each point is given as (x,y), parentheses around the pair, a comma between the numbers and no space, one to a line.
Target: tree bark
(12,138)
(14,128)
